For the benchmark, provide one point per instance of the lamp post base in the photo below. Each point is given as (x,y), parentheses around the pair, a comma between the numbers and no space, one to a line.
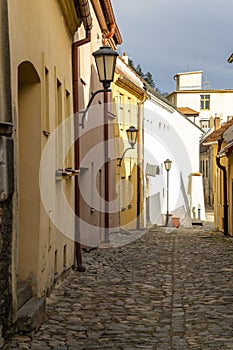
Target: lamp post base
(168,220)
(80,269)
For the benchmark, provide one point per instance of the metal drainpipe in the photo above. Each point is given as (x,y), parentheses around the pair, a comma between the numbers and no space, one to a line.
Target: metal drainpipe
(6,176)
(138,170)
(139,189)
(75,46)
(5,91)
(110,34)
(106,137)
(225,205)
(106,168)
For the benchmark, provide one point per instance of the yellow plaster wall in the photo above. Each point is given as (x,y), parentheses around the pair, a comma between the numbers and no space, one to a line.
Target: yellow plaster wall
(126,175)
(218,190)
(230,194)
(38,34)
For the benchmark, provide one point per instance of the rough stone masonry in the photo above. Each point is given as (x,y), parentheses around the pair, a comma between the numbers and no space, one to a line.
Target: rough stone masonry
(163,291)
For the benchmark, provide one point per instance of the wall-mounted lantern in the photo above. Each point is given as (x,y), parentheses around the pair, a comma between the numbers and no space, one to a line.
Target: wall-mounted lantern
(132,134)
(105,59)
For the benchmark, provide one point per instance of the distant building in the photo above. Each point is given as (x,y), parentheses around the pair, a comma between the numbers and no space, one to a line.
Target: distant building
(217,168)
(192,93)
(168,134)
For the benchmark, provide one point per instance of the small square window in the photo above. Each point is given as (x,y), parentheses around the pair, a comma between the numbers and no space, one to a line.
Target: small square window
(205,102)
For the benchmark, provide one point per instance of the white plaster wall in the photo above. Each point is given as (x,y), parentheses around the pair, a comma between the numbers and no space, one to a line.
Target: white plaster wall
(190,80)
(168,134)
(221,103)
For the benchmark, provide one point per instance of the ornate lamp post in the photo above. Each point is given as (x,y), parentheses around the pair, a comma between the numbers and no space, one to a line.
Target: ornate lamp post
(167,164)
(105,59)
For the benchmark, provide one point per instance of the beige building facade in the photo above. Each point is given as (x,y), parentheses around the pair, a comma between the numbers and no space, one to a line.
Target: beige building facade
(97,181)
(209,104)
(59,166)
(42,98)
(219,146)
(41,78)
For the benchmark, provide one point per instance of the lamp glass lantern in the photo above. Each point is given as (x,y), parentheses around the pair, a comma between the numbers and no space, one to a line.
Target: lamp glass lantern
(167,164)
(132,134)
(105,59)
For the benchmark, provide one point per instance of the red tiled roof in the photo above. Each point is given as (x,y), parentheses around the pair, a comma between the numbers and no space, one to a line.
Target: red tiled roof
(187,111)
(226,150)
(217,134)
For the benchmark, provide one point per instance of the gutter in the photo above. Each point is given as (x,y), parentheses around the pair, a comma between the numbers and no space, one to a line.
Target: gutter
(105,16)
(84,10)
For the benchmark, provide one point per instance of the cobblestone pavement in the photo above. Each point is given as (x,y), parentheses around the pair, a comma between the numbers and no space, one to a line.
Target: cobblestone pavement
(163,291)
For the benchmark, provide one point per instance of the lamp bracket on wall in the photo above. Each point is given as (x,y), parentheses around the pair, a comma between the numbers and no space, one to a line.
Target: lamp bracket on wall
(84,112)
(120,159)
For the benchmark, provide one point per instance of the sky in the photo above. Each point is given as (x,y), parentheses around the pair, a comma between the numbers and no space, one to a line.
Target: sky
(167,37)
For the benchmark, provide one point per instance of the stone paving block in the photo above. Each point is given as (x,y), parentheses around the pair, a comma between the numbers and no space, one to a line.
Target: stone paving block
(161,291)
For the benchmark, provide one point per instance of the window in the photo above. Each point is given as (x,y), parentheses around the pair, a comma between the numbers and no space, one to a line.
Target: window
(120,110)
(68,131)
(64,257)
(203,167)
(55,263)
(122,193)
(129,118)
(204,124)
(130,194)
(46,97)
(206,168)
(59,116)
(205,101)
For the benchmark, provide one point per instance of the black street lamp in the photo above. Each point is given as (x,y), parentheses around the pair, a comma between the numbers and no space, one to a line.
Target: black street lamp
(167,164)
(132,134)
(105,59)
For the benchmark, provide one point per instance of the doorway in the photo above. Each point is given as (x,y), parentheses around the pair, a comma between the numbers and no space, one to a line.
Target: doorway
(29,153)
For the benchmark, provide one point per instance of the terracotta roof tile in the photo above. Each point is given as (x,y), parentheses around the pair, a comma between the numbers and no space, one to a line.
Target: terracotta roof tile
(187,111)
(217,134)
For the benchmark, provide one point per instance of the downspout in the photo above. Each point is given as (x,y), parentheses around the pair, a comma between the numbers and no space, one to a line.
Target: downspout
(106,138)
(6,177)
(139,170)
(5,91)
(139,187)
(110,33)
(75,46)
(225,205)
(87,22)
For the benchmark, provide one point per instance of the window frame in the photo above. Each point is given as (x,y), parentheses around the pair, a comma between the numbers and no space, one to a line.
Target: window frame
(205,102)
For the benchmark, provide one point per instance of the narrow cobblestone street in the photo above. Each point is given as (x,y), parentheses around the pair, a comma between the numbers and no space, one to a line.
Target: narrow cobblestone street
(163,291)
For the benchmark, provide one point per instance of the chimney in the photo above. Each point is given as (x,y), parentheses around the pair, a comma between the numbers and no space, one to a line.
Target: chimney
(125,58)
(217,123)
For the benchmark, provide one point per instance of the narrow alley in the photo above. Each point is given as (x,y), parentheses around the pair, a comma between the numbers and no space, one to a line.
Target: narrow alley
(163,291)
